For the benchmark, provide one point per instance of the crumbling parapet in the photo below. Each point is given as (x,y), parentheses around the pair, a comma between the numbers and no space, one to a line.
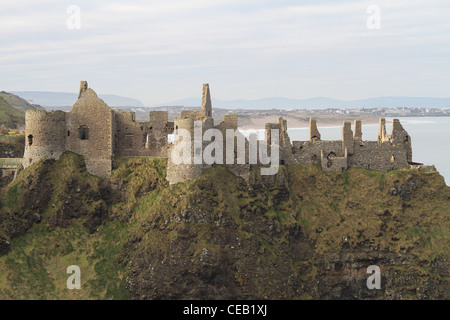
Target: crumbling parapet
(314,133)
(157,130)
(399,136)
(97,132)
(159,116)
(347,137)
(231,121)
(83,87)
(382,134)
(358,130)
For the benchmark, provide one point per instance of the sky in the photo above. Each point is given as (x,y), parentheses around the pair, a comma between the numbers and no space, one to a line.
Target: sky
(164,50)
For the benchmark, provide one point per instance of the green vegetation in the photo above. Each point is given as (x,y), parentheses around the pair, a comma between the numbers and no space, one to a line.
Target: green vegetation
(269,239)
(9,116)
(12,144)
(16,101)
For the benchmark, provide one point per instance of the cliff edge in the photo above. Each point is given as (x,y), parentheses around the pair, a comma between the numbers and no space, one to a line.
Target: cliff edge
(301,234)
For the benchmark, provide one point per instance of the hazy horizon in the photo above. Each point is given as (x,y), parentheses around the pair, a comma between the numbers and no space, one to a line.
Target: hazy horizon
(55,99)
(162,51)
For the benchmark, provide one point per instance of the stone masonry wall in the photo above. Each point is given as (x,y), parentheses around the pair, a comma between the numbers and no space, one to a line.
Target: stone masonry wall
(97,132)
(129,136)
(44,135)
(310,151)
(92,113)
(158,129)
(182,172)
(333,163)
(382,157)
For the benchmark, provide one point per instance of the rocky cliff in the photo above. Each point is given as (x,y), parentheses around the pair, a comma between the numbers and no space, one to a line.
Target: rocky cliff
(302,234)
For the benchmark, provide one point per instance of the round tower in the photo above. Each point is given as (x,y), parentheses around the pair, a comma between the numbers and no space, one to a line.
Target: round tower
(45,135)
(186,154)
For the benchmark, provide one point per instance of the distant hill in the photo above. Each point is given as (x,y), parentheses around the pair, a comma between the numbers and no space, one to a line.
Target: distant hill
(10,117)
(318,103)
(61,99)
(18,102)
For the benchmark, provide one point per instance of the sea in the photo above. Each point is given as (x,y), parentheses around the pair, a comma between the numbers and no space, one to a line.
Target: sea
(430,138)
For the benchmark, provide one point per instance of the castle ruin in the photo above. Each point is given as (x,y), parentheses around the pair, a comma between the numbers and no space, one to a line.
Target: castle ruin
(94,130)
(100,134)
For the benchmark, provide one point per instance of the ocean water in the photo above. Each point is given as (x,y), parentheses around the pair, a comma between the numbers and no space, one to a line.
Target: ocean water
(430,138)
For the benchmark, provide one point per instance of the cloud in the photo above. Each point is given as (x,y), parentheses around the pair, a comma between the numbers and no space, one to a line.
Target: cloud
(249,49)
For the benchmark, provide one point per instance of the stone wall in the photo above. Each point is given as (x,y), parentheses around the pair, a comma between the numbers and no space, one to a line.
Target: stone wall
(90,128)
(129,136)
(311,151)
(141,139)
(347,137)
(382,157)
(45,135)
(332,163)
(97,132)
(206,101)
(158,130)
(185,171)
(195,114)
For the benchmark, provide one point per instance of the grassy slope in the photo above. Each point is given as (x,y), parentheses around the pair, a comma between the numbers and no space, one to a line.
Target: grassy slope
(332,209)
(36,267)
(10,116)
(328,206)
(357,204)
(12,145)
(16,101)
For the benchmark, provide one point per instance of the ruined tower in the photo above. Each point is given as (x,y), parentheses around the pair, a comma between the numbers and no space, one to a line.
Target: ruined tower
(45,135)
(400,137)
(188,142)
(95,131)
(206,101)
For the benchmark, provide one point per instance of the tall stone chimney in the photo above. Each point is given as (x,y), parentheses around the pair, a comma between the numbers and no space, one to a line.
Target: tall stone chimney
(358,130)
(347,137)
(314,133)
(382,134)
(206,101)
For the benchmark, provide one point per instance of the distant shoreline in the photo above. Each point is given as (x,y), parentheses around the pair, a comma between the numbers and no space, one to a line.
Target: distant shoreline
(292,123)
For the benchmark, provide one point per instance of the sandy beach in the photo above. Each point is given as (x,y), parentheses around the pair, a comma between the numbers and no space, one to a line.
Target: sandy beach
(259,122)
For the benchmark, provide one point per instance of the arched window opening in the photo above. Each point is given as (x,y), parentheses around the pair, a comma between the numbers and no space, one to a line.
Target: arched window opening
(83,133)
(30,140)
